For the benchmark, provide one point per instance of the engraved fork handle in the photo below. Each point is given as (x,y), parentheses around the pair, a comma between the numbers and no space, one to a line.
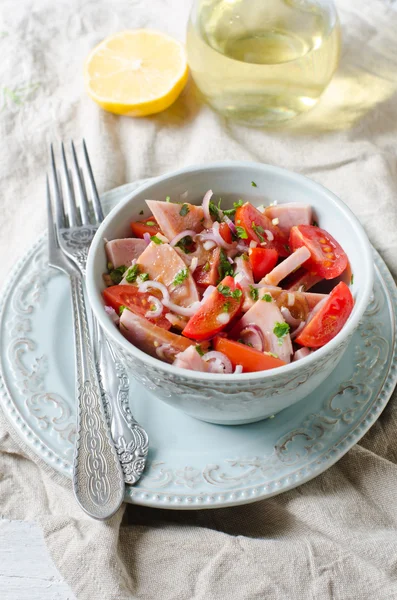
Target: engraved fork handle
(98,481)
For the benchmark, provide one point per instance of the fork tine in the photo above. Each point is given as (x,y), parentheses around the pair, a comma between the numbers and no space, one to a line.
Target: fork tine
(95,197)
(83,200)
(70,202)
(52,240)
(59,211)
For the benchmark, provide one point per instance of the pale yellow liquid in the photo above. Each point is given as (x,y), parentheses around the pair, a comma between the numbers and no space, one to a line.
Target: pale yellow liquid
(262,61)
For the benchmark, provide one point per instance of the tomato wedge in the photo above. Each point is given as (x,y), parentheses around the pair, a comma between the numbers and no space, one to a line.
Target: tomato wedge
(329,320)
(149,226)
(225,232)
(250,359)
(208,274)
(138,302)
(216,312)
(328,259)
(262,261)
(256,224)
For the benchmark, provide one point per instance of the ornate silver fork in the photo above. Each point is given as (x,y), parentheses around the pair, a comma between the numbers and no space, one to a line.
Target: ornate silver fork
(130,439)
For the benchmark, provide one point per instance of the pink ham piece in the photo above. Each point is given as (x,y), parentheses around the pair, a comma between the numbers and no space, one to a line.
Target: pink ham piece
(152,339)
(243,276)
(265,315)
(124,251)
(290,214)
(163,264)
(170,220)
(292,262)
(190,359)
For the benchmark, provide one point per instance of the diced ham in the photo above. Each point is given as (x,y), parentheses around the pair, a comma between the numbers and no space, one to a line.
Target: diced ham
(292,262)
(302,280)
(170,220)
(190,359)
(290,214)
(163,264)
(152,339)
(243,276)
(124,251)
(265,315)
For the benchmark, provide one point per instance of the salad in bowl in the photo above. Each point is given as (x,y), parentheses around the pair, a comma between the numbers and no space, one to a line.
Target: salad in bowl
(227,290)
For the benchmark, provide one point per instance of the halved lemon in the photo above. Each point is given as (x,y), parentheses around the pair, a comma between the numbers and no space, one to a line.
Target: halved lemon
(136,73)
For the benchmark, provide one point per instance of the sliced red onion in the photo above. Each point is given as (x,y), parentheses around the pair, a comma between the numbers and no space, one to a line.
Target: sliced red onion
(289,318)
(230,260)
(219,239)
(301,353)
(230,224)
(208,292)
(253,244)
(241,247)
(180,236)
(253,334)
(165,352)
(222,363)
(158,308)
(146,237)
(239,277)
(193,264)
(154,285)
(238,369)
(112,314)
(185,311)
(297,331)
(316,309)
(206,205)
(209,244)
(269,235)
(173,319)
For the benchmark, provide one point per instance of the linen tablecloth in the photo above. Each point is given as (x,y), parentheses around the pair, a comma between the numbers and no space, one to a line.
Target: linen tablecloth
(336,536)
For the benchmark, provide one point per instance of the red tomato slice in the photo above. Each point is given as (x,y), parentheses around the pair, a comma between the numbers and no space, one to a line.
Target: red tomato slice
(328,258)
(225,232)
(208,274)
(250,359)
(149,226)
(329,320)
(210,318)
(256,224)
(138,302)
(262,261)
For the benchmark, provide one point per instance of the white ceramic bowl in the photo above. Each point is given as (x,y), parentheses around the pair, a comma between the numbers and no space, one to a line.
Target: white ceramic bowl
(249,397)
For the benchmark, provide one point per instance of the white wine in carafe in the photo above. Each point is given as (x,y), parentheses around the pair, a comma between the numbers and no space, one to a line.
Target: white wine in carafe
(263,61)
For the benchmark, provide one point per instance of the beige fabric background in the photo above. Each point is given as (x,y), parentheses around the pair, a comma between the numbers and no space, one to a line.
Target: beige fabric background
(335,537)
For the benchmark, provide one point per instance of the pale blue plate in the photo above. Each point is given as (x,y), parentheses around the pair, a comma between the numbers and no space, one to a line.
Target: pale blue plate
(191,464)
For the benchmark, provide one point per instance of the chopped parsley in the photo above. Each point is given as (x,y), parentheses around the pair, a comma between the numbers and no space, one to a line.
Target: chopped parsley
(199,350)
(143,277)
(122,308)
(315,224)
(281,330)
(253,184)
(215,212)
(227,292)
(150,223)
(230,212)
(242,233)
(155,239)
(267,297)
(185,244)
(168,199)
(274,356)
(245,343)
(258,230)
(184,210)
(141,212)
(110,266)
(181,276)
(207,267)
(224,268)
(254,293)
(132,274)
(117,274)
(226,307)
(352,279)
(244,257)
(287,248)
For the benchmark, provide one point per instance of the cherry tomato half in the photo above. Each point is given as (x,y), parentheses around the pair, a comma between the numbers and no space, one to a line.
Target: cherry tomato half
(138,302)
(328,258)
(256,224)
(149,226)
(262,261)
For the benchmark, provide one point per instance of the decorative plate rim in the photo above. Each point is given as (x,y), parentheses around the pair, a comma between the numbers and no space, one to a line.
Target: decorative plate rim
(237,496)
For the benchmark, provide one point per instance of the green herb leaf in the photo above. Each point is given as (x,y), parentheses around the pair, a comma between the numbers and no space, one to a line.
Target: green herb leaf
(267,297)
(141,212)
(185,244)
(237,293)
(224,290)
(245,257)
(230,212)
(254,293)
(181,276)
(143,277)
(253,184)
(117,274)
(122,309)
(132,274)
(242,233)
(271,354)
(315,224)
(199,350)
(281,330)
(287,248)
(245,343)
(150,223)
(226,307)
(224,268)
(155,239)
(110,266)
(214,212)
(258,230)
(352,279)
(184,210)
(168,199)
(207,267)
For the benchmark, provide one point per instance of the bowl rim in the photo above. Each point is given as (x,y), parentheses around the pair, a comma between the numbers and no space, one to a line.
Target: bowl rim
(359,308)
